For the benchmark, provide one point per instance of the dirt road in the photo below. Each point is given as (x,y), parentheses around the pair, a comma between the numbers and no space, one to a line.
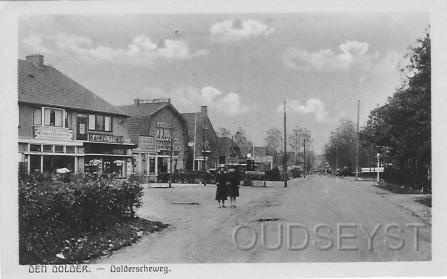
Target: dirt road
(317,219)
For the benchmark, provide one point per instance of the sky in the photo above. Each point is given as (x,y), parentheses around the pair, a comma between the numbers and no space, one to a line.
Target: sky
(242,66)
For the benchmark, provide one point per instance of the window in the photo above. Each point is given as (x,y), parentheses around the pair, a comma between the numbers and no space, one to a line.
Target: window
(48,148)
(70,149)
(91,122)
(35,147)
(100,123)
(59,148)
(107,124)
(53,117)
(37,116)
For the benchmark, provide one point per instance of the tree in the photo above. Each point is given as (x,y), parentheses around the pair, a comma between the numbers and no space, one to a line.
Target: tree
(297,138)
(273,143)
(402,127)
(240,138)
(223,132)
(340,150)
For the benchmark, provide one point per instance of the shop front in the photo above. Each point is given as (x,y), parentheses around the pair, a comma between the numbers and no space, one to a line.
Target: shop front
(107,155)
(49,149)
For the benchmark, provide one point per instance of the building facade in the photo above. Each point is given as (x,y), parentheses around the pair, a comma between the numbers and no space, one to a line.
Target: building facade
(202,140)
(157,128)
(64,125)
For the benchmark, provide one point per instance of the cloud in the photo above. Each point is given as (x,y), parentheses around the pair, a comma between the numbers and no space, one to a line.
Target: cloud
(230,31)
(140,51)
(189,99)
(312,106)
(352,55)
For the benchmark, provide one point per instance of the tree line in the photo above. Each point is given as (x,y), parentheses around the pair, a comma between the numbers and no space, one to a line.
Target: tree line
(399,131)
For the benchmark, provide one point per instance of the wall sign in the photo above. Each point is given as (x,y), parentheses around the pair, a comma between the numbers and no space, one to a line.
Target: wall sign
(164,125)
(146,142)
(160,145)
(105,138)
(51,132)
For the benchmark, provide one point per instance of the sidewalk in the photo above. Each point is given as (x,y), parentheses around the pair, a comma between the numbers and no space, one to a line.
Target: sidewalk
(406,201)
(173,185)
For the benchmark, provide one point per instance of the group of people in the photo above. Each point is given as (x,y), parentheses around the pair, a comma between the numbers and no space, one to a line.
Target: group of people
(227,182)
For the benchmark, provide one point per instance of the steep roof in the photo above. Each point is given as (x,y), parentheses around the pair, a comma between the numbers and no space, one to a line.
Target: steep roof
(142,109)
(140,115)
(48,86)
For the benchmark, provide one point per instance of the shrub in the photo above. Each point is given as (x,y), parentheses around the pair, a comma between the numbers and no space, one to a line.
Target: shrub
(273,174)
(408,177)
(191,177)
(55,208)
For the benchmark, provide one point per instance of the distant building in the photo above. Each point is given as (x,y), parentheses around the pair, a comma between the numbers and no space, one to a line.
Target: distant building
(229,151)
(64,125)
(261,157)
(202,140)
(153,125)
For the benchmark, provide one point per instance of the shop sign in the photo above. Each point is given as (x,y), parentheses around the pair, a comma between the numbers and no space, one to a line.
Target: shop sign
(105,138)
(160,145)
(146,142)
(163,125)
(51,132)
(153,101)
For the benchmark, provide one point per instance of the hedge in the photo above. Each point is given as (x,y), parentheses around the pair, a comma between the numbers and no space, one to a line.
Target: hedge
(408,177)
(56,208)
(192,177)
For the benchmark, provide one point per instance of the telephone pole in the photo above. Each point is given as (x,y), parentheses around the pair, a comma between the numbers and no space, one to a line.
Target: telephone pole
(357,144)
(304,165)
(284,163)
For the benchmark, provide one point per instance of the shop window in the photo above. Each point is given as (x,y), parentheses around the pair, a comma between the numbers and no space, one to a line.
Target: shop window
(48,148)
(53,117)
(23,147)
(35,147)
(59,148)
(70,149)
(152,165)
(35,163)
(37,116)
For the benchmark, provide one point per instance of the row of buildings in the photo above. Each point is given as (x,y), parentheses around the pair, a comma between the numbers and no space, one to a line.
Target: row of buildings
(64,125)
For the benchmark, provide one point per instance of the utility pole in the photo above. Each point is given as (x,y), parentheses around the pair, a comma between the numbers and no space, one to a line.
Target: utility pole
(357,143)
(336,158)
(304,165)
(284,159)
(296,147)
(203,152)
(171,151)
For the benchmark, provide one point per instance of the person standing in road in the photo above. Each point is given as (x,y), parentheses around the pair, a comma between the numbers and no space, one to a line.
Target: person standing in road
(233,190)
(221,187)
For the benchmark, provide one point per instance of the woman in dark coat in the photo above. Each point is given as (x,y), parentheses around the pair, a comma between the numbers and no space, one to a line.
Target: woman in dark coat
(233,190)
(221,187)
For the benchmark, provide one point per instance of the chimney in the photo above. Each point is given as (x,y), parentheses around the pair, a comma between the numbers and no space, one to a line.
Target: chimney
(204,110)
(36,59)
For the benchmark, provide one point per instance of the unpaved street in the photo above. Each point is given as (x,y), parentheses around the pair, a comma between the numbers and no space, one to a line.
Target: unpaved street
(320,218)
